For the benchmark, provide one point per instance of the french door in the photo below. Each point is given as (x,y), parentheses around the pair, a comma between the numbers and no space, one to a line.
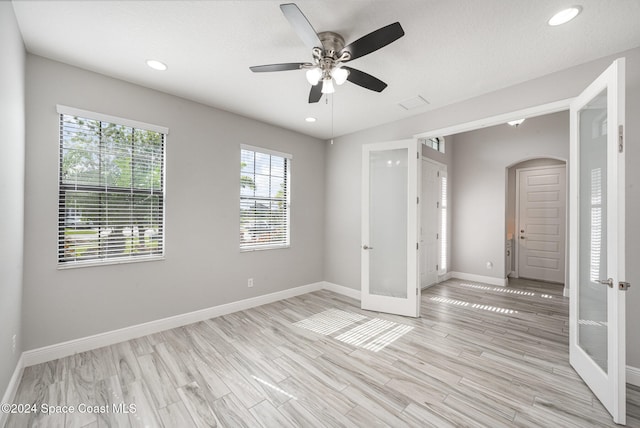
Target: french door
(390,225)
(597,234)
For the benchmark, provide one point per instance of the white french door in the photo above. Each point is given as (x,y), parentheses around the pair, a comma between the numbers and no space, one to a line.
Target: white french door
(597,234)
(390,225)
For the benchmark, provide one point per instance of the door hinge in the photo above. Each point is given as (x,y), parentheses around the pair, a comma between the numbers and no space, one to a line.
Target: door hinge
(418,200)
(417,291)
(623,286)
(418,155)
(438,174)
(620,138)
(438,204)
(417,246)
(437,236)
(437,267)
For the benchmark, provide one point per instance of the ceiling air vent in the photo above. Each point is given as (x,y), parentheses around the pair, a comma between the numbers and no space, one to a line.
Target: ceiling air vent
(413,103)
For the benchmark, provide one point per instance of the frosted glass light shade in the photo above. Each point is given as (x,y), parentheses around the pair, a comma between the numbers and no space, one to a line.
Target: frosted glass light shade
(314,75)
(327,86)
(340,75)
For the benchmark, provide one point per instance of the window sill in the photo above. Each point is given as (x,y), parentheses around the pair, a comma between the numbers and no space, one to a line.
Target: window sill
(275,247)
(93,263)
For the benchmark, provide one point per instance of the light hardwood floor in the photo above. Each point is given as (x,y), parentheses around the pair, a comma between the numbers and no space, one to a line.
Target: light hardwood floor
(480,356)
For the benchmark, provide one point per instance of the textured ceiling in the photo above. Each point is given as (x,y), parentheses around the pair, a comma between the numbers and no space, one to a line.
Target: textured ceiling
(452,50)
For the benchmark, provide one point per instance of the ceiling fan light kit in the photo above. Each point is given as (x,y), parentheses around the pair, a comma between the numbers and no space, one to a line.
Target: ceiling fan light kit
(330,53)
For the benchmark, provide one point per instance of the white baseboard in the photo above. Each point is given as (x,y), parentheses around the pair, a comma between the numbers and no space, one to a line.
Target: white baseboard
(341,289)
(12,388)
(565,292)
(64,349)
(445,277)
(502,282)
(633,376)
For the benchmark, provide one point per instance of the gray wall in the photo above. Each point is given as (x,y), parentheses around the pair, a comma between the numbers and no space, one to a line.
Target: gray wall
(12,140)
(480,167)
(342,209)
(203,265)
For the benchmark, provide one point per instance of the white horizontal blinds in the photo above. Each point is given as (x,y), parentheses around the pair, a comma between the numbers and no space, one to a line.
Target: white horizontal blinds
(111,191)
(443,221)
(264,199)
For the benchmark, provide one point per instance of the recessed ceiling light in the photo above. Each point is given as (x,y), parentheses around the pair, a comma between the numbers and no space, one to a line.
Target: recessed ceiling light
(311,119)
(156,65)
(564,16)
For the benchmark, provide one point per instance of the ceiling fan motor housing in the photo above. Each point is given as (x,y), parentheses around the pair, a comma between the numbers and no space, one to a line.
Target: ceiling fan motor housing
(332,43)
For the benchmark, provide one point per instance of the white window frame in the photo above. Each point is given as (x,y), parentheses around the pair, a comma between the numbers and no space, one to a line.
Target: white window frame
(288,162)
(434,143)
(86,114)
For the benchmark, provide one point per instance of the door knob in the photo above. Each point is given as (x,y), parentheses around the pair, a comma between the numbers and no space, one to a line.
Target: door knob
(522,237)
(608,282)
(366,247)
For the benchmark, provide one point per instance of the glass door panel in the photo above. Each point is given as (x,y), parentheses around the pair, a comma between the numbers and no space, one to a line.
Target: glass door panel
(388,223)
(592,321)
(390,227)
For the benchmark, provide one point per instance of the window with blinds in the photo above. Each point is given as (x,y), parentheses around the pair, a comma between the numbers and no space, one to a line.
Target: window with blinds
(443,222)
(264,198)
(111,190)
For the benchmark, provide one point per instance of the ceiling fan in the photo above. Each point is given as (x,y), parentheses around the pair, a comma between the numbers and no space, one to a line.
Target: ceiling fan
(330,53)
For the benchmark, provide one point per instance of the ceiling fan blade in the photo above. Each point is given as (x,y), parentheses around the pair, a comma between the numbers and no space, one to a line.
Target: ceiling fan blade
(316,93)
(277,67)
(301,25)
(374,41)
(365,80)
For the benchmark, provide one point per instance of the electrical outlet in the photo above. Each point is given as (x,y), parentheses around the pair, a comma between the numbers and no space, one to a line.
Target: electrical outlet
(250,283)
(13,343)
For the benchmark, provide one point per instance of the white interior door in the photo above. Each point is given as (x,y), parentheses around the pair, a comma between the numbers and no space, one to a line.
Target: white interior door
(390,226)
(597,250)
(541,223)
(429,229)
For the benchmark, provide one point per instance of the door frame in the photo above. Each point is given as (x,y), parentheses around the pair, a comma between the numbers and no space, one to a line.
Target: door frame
(529,112)
(516,245)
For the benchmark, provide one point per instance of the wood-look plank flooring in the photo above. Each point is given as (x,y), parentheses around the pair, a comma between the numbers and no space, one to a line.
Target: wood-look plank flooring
(480,356)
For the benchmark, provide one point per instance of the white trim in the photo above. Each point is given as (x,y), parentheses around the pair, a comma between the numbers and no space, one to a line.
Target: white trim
(64,349)
(502,282)
(265,151)
(341,289)
(72,111)
(529,112)
(12,388)
(445,277)
(109,261)
(633,376)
